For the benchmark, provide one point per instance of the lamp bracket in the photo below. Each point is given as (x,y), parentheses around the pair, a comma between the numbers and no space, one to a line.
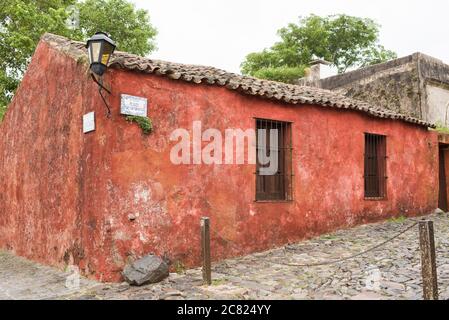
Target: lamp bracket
(102,87)
(99,80)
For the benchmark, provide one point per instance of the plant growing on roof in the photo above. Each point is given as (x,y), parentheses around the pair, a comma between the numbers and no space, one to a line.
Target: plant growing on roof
(441,128)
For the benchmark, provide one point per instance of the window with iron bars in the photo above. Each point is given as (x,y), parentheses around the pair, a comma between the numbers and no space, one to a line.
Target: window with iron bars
(278,185)
(375,166)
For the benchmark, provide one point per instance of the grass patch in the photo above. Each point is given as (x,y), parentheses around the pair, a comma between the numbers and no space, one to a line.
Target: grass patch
(328,237)
(400,219)
(218,282)
(179,267)
(144,123)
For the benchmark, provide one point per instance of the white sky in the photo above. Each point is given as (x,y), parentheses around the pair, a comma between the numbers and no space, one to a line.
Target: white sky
(221,33)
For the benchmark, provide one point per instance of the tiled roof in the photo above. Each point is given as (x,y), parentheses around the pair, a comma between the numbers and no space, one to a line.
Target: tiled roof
(287,93)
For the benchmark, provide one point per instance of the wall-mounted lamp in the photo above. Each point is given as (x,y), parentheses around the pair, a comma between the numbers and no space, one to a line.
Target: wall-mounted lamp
(100,49)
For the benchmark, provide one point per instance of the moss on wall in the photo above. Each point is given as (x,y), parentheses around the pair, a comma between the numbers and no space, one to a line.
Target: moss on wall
(398,92)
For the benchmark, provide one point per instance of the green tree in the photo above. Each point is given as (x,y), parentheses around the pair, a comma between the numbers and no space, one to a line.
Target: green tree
(22,23)
(130,28)
(343,40)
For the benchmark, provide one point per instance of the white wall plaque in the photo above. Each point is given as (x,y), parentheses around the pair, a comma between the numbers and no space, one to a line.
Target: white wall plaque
(133,106)
(89,122)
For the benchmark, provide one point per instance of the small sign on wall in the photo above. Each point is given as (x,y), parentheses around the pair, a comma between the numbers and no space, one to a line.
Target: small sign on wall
(89,122)
(133,106)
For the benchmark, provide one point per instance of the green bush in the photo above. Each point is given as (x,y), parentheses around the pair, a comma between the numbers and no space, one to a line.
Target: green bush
(281,74)
(145,123)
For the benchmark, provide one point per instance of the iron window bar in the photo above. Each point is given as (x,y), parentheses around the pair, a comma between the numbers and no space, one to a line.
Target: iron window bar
(375,175)
(278,186)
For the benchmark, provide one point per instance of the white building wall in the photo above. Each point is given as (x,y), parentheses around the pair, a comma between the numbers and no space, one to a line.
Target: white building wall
(438,105)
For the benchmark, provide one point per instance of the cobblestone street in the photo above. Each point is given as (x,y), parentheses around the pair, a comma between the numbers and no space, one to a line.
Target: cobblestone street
(390,272)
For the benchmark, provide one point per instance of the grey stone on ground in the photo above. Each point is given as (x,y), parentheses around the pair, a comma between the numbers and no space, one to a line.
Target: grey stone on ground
(149,269)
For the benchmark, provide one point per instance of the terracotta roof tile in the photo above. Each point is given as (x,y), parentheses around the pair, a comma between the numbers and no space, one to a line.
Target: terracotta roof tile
(292,94)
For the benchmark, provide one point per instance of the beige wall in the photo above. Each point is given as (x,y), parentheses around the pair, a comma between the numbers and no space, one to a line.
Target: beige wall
(438,104)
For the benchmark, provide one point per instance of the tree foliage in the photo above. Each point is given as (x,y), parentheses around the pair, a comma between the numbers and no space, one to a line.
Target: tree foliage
(22,23)
(130,28)
(343,40)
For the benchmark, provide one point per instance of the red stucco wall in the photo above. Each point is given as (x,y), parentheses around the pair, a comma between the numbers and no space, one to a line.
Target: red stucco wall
(67,196)
(40,151)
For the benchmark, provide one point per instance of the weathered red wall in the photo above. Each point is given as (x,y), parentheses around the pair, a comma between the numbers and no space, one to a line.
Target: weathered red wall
(40,167)
(71,195)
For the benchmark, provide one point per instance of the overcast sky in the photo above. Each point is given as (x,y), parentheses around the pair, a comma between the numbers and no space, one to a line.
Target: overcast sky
(221,33)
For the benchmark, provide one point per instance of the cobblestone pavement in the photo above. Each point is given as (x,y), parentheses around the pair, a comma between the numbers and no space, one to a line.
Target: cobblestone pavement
(390,272)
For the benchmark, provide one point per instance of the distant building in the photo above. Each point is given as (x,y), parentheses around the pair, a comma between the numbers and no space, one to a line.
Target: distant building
(416,85)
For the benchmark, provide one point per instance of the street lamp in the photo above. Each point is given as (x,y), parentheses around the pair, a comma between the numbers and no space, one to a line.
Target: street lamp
(100,48)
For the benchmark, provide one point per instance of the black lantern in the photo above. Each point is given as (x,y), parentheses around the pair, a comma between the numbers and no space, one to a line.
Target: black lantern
(100,48)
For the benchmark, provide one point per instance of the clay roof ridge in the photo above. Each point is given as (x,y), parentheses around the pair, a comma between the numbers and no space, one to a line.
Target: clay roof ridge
(287,93)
